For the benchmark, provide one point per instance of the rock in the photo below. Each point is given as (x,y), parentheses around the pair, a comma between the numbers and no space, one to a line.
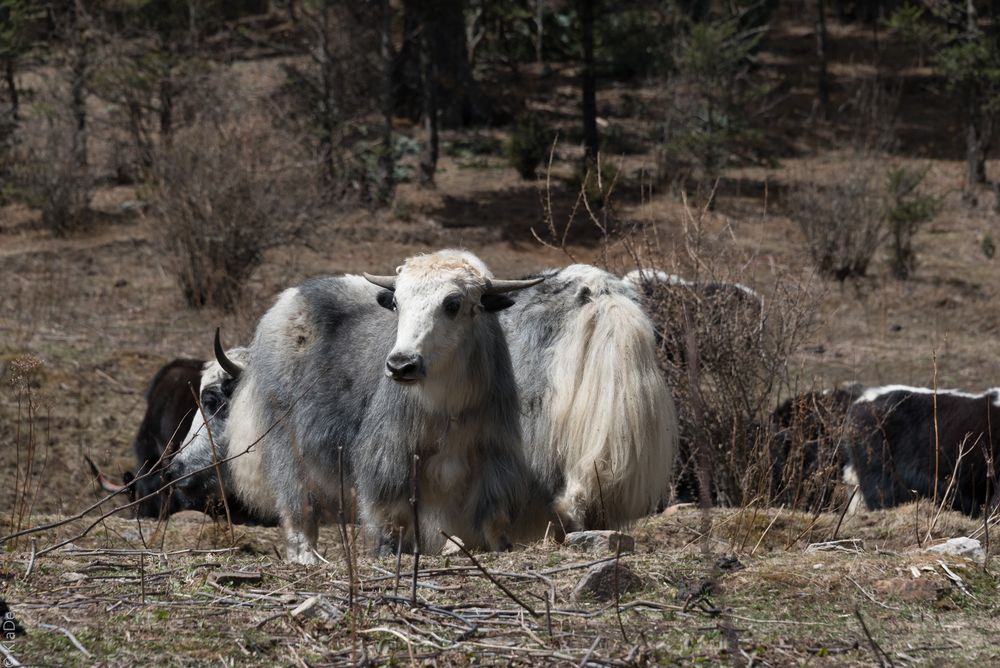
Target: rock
(318,607)
(607,542)
(450,548)
(960,547)
(184,516)
(600,580)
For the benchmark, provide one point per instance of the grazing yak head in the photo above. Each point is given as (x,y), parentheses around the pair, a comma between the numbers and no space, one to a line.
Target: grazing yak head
(438,299)
(197,454)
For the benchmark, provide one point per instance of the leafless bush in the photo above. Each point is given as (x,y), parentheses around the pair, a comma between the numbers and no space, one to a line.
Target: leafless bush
(48,173)
(227,192)
(874,113)
(843,222)
(726,355)
(29,468)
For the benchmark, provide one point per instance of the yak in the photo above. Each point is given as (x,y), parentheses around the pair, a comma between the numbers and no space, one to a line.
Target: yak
(908,442)
(338,391)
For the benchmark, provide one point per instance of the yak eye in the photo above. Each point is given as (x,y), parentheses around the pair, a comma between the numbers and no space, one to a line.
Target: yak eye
(452,304)
(210,402)
(386,299)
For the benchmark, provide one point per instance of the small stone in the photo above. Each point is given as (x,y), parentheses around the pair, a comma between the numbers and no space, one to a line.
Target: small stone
(318,607)
(960,547)
(600,580)
(601,541)
(73,577)
(450,548)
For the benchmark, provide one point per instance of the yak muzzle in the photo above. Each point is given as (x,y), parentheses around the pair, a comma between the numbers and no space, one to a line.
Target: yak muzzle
(405,368)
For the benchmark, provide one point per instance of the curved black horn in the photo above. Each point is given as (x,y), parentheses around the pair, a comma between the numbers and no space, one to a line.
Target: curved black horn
(229,366)
(387,282)
(499,287)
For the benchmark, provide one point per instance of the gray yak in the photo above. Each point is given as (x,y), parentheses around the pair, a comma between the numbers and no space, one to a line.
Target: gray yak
(599,421)
(337,391)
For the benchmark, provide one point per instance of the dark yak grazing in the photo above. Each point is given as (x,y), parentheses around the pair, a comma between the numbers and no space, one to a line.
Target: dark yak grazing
(170,412)
(895,453)
(170,407)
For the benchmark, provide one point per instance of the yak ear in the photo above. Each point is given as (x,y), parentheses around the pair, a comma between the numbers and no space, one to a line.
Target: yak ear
(496,302)
(385,299)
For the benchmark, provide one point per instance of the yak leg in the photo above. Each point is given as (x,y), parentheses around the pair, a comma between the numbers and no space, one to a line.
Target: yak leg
(301,533)
(388,525)
(570,506)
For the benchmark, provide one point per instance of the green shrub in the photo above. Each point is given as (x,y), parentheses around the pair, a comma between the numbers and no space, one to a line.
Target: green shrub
(908,210)
(529,144)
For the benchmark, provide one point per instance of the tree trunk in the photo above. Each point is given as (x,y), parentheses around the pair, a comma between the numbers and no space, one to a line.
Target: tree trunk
(329,102)
(823,85)
(977,122)
(539,29)
(589,82)
(429,79)
(166,107)
(78,94)
(976,139)
(406,73)
(462,101)
(8,75)
(387,161)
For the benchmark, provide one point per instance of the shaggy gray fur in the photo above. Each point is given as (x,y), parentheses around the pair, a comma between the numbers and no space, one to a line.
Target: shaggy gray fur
(324,389)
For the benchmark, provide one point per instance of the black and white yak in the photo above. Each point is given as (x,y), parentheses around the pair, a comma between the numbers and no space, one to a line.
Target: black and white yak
(912,442)
(597,416)
(170,408)
(172,416)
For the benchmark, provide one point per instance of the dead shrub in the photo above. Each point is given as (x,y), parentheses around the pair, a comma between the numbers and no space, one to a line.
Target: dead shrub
(725,351)
(49,174)
(843,222)
(227,192)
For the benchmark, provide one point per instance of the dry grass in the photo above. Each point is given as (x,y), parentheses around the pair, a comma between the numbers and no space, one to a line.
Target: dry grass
(125,603)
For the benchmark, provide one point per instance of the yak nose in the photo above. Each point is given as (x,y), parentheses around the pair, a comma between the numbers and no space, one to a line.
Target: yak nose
(173,472)
(405,367)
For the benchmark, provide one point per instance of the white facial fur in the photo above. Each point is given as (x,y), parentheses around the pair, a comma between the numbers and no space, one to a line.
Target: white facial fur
(196,448)
(428,334)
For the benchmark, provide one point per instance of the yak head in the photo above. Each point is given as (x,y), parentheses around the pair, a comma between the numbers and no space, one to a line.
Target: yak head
(191,468)
(438,299)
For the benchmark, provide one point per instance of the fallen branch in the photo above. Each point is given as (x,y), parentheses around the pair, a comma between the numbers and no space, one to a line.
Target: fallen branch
(68,634)
(492,579)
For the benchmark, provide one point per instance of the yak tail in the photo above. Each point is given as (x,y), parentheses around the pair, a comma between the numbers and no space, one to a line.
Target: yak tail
(614,424)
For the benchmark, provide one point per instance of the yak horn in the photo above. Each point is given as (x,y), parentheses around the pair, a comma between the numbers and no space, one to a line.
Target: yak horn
(387,282)
(104,480)
(229,366)
(499,287)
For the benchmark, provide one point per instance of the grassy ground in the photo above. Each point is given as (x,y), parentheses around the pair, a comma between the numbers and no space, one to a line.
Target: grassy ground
(194,596)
